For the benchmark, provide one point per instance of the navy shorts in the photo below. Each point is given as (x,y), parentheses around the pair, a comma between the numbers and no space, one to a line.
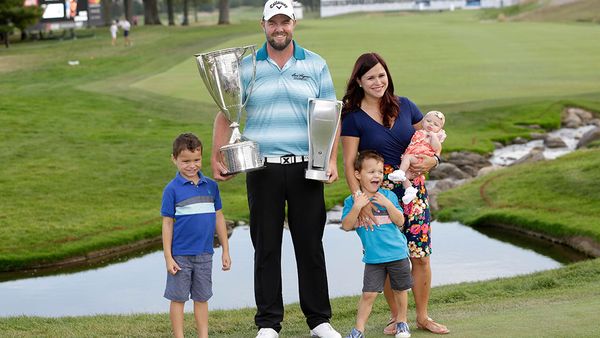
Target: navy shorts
(194,279)
(399,271)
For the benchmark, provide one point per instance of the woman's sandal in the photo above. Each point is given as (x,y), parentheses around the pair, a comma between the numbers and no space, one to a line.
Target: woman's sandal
(433,327)
(390,328)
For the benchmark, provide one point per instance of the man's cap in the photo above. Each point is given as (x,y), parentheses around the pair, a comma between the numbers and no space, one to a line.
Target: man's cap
(274,7)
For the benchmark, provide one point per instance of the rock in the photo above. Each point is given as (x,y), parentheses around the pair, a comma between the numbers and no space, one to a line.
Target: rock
(445,184)
(554,142)
(584,115)
(537,136)
(447,170)
(570,119)
(486,170)
(589,137)
(520,140)
(595,122)
(497,145)
(535,155)
(468,162)
(441,185)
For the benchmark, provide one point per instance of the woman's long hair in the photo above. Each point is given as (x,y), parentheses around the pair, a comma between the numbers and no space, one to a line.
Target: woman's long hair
(388,105)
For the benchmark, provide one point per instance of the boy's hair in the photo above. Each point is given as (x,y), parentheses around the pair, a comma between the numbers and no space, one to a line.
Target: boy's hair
(185,141)
(365,155)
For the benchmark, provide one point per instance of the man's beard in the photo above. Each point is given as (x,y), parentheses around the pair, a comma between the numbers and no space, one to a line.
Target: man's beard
(279,46)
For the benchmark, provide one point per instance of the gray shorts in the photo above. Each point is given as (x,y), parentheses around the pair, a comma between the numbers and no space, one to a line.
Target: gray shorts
(194,278)
(399,271)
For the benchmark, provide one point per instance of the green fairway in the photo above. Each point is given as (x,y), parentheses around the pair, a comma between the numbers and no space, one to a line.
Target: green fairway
(436,59)
(87,147)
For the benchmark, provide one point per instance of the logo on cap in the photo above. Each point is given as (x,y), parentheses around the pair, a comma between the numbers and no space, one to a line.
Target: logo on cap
(281,4)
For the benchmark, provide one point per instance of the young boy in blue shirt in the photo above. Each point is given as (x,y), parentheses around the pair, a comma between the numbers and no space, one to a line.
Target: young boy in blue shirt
(191,210)
(385,249)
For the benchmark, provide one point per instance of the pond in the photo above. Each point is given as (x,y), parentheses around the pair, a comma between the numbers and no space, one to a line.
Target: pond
(136,285)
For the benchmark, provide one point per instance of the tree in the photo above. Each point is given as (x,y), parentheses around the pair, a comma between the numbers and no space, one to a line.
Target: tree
(185,21)
(170,12)
(151,12)
(14,15)
(223,12)
(128,9)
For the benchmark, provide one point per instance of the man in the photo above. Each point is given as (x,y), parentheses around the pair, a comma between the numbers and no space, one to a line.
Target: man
(286,76)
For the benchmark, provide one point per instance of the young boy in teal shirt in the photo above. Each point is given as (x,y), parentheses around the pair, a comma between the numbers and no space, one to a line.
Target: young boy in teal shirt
(385,248)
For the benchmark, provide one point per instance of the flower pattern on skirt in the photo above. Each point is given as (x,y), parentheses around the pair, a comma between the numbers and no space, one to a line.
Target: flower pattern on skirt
(417,216)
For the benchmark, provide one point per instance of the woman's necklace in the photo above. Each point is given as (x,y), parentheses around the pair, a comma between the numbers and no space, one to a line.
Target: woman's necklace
(372,111)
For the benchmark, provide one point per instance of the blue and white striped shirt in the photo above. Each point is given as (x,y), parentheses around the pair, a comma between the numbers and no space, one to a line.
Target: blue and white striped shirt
(194,209)
(276,108)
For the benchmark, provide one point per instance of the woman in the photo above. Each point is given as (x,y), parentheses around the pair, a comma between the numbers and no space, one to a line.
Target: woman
(374,118)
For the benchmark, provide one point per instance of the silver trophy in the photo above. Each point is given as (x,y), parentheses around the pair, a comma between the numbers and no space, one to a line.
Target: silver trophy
(221,72)
(323,121)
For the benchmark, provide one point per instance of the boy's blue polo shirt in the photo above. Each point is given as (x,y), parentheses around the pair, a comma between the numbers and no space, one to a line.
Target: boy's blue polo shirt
(194,209)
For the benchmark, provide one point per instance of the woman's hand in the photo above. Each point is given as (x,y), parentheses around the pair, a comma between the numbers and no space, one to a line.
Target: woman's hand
(366,219)
(421,166)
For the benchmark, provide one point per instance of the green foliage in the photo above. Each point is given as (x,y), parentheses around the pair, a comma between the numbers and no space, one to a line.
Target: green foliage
(14,15)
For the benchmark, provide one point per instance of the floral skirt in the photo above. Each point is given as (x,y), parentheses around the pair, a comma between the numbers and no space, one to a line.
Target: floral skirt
(416,214)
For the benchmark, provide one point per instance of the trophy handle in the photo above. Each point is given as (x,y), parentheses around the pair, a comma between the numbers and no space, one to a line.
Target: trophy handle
(242,52)
(203,74)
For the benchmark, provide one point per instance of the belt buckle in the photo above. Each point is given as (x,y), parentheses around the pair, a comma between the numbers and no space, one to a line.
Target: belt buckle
(287,159)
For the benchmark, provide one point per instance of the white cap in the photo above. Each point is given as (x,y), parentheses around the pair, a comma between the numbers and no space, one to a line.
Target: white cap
(274,7)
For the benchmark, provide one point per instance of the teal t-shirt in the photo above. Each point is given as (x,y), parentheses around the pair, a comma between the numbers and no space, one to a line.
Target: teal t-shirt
(386,243)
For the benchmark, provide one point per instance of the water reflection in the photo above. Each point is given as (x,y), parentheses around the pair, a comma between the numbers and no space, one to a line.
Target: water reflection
(136,285)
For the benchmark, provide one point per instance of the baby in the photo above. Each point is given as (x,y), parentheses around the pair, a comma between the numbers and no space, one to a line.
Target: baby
(426,141)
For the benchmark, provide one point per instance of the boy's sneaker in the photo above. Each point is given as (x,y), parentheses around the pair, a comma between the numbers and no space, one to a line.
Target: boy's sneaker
(267,333)
(397,176)
(355,334)
(409,194)
(324,330)
(402,330)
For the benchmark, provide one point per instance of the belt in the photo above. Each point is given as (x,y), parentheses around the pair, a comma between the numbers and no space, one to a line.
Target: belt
(286,159)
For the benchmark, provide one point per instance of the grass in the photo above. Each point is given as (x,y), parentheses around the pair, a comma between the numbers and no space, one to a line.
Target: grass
(88,145)
(560,197)
(556,303)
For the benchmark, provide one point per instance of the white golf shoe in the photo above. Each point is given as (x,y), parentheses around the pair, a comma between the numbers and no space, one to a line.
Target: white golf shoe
(324,330)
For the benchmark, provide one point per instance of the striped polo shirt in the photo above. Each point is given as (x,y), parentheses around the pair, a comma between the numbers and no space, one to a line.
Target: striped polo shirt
(194,209)
(276,108)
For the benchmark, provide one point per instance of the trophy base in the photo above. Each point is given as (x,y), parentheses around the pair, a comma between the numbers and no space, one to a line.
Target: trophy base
(318,175)
(241,157)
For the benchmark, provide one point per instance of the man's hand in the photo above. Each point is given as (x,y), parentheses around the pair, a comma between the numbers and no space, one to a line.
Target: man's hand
(219,170)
